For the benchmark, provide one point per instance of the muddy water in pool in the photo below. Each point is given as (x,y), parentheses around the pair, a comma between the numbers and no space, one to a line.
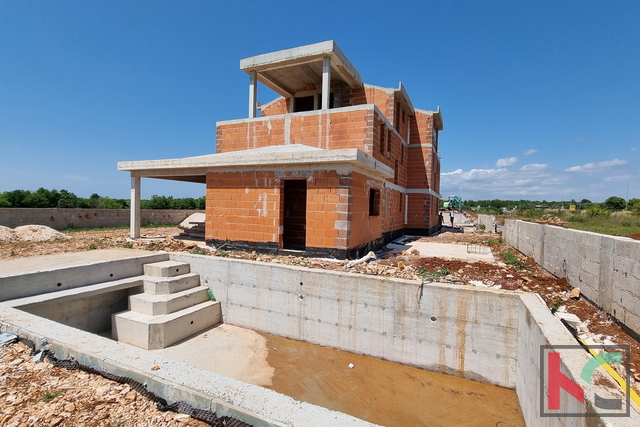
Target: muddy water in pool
(386,393)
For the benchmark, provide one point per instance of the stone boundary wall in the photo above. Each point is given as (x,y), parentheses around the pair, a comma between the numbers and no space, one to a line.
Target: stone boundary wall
(61,219)
(605,268)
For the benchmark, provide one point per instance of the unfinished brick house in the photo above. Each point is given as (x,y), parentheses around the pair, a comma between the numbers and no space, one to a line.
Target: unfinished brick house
(331,167)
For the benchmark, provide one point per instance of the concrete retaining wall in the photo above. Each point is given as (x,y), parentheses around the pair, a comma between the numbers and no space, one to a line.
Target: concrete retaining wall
(61,219)
(456,330)
(605,268)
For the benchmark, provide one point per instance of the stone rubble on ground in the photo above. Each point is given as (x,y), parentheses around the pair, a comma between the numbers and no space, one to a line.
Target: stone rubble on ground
(40,394)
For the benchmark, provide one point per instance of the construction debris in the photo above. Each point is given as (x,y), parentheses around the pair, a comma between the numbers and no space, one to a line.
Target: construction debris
(365,258)
(40,394)
(575,293)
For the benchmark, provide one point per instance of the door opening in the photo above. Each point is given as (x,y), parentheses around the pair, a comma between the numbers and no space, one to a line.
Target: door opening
(294,230)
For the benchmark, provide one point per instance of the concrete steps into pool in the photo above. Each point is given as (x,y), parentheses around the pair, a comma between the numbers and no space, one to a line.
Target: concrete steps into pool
(174,306)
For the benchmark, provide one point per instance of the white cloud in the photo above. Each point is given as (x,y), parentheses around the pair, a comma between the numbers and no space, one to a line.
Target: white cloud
(592,167)
(507,161)
(634,149)
(529,152)
(535,166)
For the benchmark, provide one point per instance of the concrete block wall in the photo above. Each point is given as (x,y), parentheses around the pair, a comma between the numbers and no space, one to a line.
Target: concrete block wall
(61,219)
(487,220)
(605,268)
(456,330)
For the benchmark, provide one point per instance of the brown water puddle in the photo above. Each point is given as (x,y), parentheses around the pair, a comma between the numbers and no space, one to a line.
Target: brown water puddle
(383,392)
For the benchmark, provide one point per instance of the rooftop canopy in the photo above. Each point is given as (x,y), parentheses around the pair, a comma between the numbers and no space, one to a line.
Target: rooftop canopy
(289,70)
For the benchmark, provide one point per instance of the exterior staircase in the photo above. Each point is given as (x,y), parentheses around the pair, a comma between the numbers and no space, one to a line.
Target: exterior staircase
(174,306)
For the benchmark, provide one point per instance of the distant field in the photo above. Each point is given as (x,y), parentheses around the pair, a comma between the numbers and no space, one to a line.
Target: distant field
(618,224)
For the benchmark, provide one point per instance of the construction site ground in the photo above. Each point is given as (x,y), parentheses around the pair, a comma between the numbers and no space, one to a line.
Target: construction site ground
(523,276)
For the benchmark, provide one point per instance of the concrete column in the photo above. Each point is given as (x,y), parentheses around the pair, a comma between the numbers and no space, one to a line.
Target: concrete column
(326,82)
(253,94)
(135,207)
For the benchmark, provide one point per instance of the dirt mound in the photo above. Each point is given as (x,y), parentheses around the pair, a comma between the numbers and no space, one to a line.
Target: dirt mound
(37,233)
(632,236)
(6,234)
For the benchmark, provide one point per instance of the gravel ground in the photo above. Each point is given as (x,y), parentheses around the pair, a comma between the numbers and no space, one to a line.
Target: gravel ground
(40,394)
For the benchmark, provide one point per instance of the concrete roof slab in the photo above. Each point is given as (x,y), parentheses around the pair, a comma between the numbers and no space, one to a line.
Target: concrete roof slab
(286,71)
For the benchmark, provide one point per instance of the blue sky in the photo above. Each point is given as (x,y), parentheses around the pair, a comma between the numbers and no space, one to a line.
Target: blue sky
(541,100)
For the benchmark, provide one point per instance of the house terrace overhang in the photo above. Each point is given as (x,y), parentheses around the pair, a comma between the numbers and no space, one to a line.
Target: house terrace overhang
(286,71)
(294,157)
(289,157)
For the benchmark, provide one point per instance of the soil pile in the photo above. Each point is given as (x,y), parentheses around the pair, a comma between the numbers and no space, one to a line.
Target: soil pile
(37,233)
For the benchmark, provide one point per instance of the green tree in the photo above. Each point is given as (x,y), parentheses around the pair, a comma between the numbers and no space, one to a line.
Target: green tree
(35,200)
(16,197)
(67,199)
(4,202)
(107,203)
(633,204)
(615,203)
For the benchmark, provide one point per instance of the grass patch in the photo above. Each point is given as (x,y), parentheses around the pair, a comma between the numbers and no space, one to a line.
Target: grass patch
(48,396)
(510,258)
(620,225)
(198,251)
(436,274)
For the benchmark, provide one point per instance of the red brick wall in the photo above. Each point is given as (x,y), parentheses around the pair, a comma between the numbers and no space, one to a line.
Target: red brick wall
(332,130)
(250,134)
(280,106)
(327,206)
(243,206)
(370,95)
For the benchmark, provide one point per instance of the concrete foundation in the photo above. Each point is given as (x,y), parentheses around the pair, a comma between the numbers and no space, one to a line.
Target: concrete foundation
(489,335)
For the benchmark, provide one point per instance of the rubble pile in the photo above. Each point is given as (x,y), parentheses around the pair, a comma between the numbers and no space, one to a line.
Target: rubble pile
(40,394)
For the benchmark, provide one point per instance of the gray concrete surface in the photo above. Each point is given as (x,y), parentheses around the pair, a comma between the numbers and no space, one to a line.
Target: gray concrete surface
(444,250)
(61,219)
(605,268)
(71,271)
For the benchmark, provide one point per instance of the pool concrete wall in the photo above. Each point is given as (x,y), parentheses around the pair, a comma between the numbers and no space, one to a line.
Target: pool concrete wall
(453,329)
(489,335)
(605,268)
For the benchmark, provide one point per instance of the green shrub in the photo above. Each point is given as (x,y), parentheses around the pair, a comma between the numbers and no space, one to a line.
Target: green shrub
(598,211)
(436,274)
